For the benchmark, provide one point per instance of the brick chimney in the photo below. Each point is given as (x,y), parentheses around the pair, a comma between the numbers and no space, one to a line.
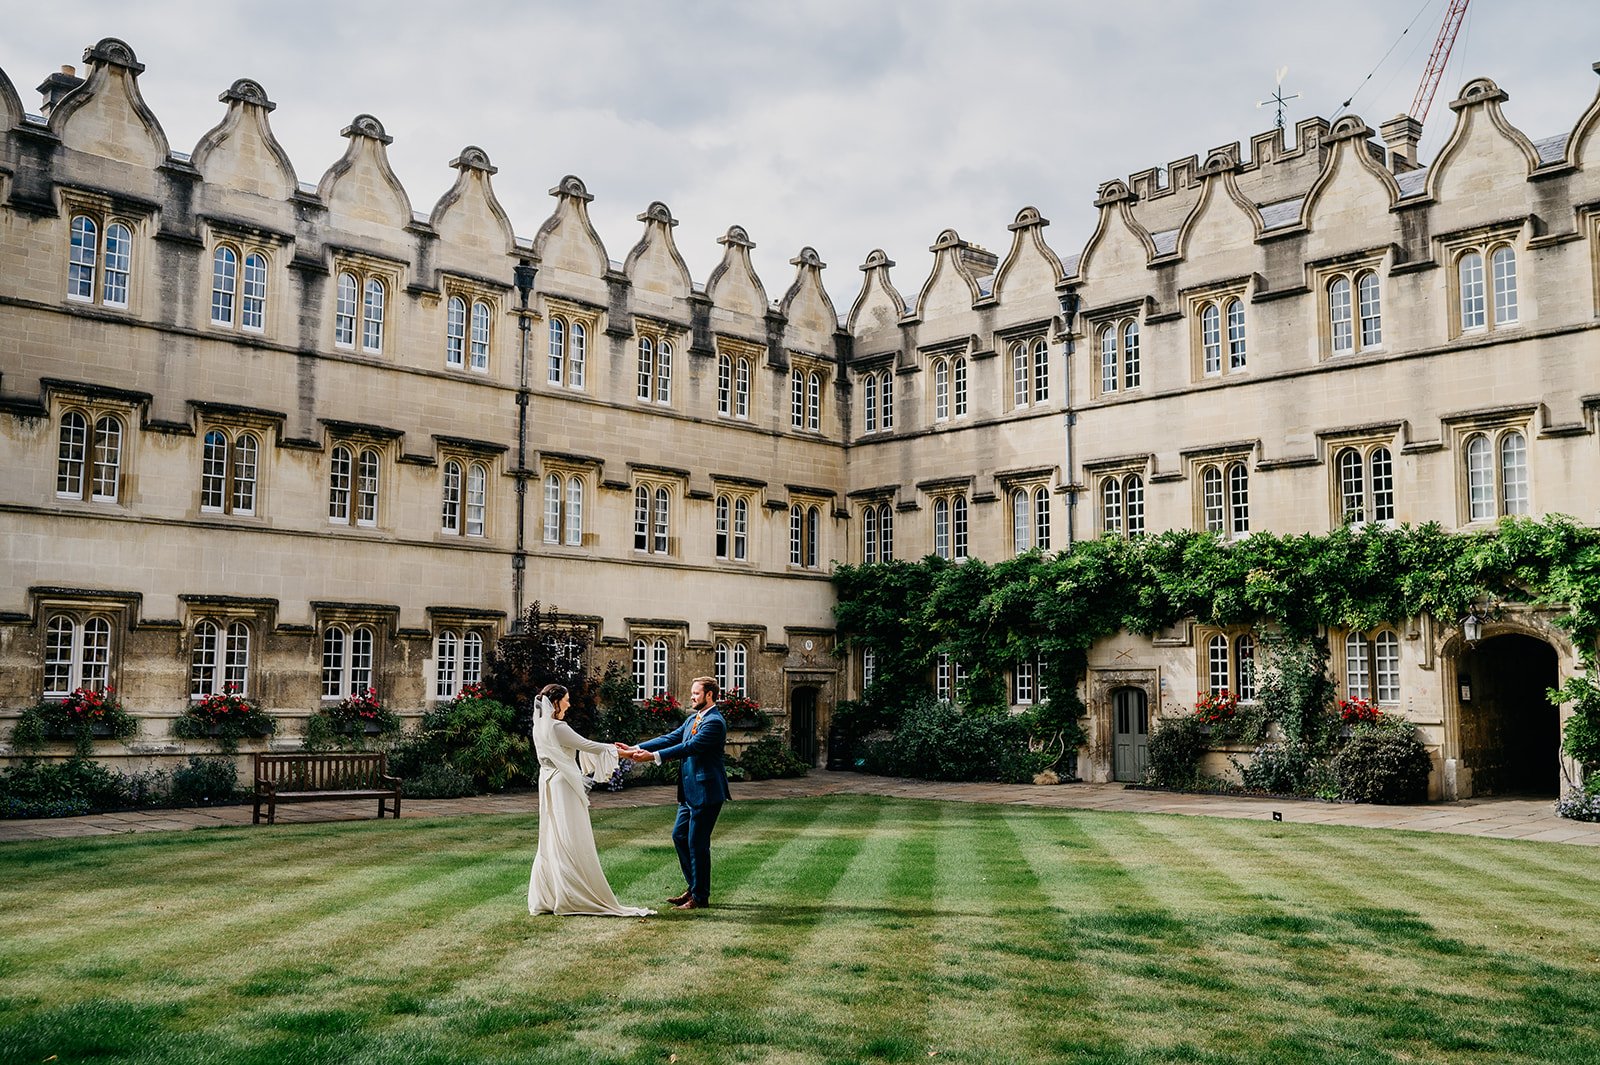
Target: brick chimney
(58,85)
(1402,134)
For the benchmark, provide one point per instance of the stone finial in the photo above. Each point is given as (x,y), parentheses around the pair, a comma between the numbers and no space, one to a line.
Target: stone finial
(1479,91)
(808,257)
(1347,128)
(573,186)
(249,92)
(112,52)
(473,157)
(366,126)
(876,259)
(658,212)
(947,238)
(1027,218)
(736,237)
(1114,191)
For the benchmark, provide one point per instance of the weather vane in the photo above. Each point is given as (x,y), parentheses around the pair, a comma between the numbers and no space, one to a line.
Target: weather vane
(1277,96)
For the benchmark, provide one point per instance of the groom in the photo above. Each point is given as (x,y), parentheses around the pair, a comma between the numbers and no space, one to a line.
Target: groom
(702,786)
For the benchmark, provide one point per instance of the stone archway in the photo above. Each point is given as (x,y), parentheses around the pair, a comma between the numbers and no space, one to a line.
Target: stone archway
(1509,732)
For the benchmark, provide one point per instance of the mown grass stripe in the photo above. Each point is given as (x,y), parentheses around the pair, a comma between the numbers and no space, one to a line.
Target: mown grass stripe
(592,1002)
(841,987)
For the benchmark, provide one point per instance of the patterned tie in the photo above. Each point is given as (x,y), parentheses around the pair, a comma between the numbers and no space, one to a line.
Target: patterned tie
(696,726)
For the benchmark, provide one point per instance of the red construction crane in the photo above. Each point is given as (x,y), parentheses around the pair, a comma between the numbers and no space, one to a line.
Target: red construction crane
(1436,62)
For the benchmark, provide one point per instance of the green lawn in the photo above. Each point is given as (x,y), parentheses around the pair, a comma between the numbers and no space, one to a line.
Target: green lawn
(844,929)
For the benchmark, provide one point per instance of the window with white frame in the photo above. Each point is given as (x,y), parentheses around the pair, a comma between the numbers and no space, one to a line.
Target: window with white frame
(886,399)
(230,462)
(100,259)
(468,324)
(1121,367)
(238,288)
(563,508)
(869,402)
(1225,498)
(349,660)
(950,526)
(877,536)
(353,485)
(869,668)
(1372,666)
(219,659)
(652,514)
(1027,682)
(814,401)
(568,352)
(1497,475)
(360,303)
(654,377)
(949,678)
(1030,519)
(78,653)
(732,515)
(89,455)
(1122,504)
(805,533)
(1485,282)
(649,667)
(1230,664)
(797,399)
(1030,372)
(1220,341)
(457,661)
(733,667)
(1354,308)
(733,384)
(1365,483)
(941,390)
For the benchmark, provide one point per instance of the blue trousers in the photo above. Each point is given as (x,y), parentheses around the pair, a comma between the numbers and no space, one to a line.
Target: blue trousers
(691,834)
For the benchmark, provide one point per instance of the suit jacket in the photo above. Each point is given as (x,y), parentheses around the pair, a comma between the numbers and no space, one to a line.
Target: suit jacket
(704,777)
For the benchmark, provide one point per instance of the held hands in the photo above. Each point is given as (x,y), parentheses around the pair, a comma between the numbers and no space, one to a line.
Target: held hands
(634,753)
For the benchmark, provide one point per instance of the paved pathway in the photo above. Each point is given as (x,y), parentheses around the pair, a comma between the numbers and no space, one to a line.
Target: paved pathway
(1500,818)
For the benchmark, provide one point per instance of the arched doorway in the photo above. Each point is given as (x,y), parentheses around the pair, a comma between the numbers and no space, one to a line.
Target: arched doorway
(803,724)
(1130,734)
(1510,732)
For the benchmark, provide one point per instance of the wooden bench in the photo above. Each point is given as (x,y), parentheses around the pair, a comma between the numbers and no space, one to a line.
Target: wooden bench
(320,777)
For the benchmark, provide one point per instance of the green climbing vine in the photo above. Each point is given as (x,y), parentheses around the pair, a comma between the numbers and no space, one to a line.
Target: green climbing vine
(1053,607)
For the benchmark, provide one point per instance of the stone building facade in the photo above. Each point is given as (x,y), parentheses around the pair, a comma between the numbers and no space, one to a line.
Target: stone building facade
(259,430)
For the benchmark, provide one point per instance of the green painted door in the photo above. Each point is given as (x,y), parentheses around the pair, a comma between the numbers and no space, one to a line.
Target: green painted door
(1131,740)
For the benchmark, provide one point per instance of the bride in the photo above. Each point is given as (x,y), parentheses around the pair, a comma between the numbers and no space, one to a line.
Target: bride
(566,877)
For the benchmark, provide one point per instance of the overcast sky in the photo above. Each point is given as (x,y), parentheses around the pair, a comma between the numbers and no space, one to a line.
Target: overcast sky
(845,125)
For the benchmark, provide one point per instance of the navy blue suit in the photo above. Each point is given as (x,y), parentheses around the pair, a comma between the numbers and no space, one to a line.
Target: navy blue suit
(702,789)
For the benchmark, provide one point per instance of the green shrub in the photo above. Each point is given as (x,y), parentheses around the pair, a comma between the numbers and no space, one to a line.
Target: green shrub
(937,740)
(75,786)
(767,758)
(440,780)
(205,782)
(1176,747)
(478,737)
(1383,763)
(1282,769)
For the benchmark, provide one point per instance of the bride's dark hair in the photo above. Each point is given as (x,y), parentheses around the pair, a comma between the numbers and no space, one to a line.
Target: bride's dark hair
(553,692)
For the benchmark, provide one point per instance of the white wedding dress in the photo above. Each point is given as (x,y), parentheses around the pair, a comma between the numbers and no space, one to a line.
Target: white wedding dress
(567,878)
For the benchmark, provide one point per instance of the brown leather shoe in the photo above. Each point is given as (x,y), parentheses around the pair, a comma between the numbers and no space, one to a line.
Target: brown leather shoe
(693,904)
(679,900)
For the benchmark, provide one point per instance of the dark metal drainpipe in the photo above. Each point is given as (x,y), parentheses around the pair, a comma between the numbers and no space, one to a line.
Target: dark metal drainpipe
(523,276)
